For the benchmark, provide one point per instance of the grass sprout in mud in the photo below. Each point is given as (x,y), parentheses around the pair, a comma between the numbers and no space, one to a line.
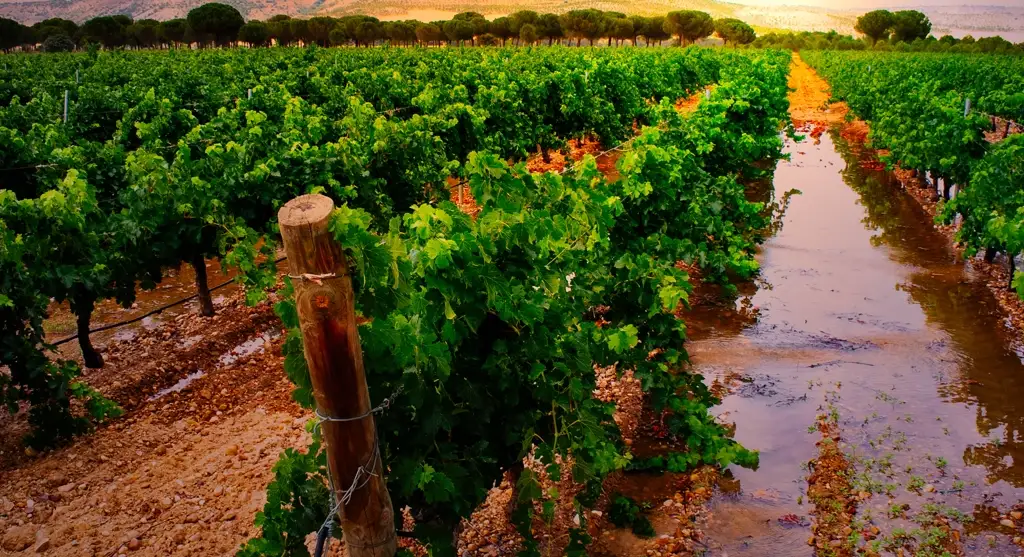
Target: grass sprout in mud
(829,488)
(875,496)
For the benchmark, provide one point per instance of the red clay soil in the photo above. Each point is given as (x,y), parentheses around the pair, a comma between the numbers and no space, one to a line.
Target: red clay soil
(556,160)
(180,475)
(809,96)
(688,105)
(1001,129)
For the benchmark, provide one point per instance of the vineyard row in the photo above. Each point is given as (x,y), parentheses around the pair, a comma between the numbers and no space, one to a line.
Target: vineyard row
(919,107)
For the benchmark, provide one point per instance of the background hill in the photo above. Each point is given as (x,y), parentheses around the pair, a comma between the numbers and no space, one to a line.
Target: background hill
(958,20)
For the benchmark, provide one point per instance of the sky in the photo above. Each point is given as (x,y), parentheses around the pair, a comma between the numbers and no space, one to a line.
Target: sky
(844,4)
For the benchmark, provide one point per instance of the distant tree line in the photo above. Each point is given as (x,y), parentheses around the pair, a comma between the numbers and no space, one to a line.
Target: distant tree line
(905,31)
(217,24)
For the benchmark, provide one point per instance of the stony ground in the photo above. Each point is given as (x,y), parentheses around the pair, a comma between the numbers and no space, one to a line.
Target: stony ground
(183,474)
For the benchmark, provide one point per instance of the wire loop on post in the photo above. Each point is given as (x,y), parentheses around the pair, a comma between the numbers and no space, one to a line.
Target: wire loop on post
(362,476)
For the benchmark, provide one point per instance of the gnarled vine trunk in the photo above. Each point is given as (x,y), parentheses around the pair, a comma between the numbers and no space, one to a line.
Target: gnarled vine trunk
(205,300)
(990,254)
(83,316)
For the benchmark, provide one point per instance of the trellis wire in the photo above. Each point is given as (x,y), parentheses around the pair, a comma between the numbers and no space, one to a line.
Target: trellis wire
(151,313)
(362,476)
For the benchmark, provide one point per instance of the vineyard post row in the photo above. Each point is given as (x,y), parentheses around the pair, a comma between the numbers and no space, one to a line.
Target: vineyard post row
(913,104)
(325,303)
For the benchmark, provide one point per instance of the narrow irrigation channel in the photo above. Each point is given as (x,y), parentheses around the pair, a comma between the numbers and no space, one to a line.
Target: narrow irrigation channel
(864,315)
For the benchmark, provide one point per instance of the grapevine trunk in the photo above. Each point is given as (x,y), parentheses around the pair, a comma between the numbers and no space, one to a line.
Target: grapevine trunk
(90,356)
(202,285)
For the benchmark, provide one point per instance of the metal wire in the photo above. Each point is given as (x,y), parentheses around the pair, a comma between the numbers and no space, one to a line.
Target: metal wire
(362,475)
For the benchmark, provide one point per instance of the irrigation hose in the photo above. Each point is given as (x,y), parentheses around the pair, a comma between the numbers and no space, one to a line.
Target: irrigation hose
(149,314)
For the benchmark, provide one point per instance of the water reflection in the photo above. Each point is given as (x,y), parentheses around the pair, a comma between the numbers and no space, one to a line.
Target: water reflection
(858,289)
(988,374)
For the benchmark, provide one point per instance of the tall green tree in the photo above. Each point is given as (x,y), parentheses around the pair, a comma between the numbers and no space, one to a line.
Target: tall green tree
(550,27)
(654,31)
(501,28)
(640,24)
(910,25)
(216,22)
(299,29)
(477,22)
(254,32)
(369,32)
(621,29)
(280,29)
(53,26)
(362,29)
(528,34)
(429,33)
(401,32)
(144,33)
(106,30)
(522,17)
(320,29)
(172,31)
(584,24)
(734,31)
(689,25)
(608,27)
(458,31)
(12,33)
(875,25)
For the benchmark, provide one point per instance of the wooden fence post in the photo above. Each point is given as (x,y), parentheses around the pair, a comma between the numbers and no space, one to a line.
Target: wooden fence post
(326,308)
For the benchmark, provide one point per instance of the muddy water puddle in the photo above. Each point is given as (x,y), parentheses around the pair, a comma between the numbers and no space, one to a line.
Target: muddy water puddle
(863,311)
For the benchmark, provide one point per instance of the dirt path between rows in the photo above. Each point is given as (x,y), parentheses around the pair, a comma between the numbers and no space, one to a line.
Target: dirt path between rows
(182,474)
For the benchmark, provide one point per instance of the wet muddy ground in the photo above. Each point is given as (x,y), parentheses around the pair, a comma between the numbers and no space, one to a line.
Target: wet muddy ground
(177,284)
(864,311)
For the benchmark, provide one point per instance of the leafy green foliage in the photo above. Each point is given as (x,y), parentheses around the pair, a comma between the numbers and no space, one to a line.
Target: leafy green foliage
(296,500)
(484,326)
(916,106)
(479,323)
(625,513)
(992,208)
(165,159)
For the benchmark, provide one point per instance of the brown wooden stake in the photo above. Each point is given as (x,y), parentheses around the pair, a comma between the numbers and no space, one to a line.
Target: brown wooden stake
(326,308)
